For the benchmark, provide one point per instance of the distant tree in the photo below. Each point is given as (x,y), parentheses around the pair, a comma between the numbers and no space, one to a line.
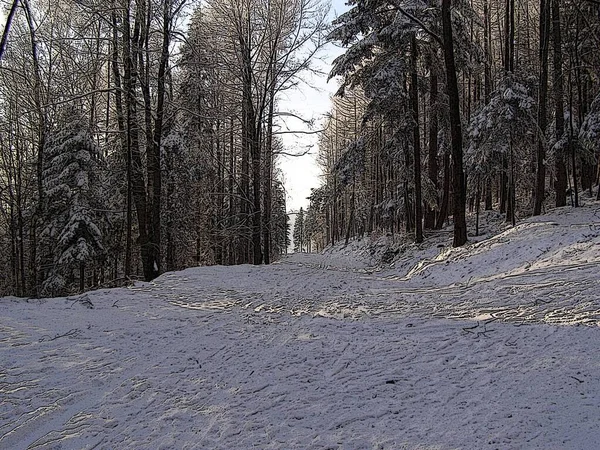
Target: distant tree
(280,222)
(299,231)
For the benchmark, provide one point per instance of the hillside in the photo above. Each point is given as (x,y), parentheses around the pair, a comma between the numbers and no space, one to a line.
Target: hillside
(493,345)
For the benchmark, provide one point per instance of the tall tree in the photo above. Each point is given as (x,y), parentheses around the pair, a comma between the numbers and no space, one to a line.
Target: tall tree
(540,186)
(560,185)
(459,199)
(299,231)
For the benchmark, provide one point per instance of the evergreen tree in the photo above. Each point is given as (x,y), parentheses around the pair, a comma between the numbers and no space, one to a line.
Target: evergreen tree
(280,222)
(299,231)
(500,131)
(72,236)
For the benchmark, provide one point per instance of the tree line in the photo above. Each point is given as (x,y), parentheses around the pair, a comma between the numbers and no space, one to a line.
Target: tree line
(446,107)
(142,137)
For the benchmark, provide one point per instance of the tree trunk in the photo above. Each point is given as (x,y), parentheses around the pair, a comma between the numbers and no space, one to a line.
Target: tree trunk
(509,37)
(154,159)
(458,178)
(231,185)
(267,179)
(560,185)
(247,123)
(81,277)
(36,275)
(6,31)
(138,186)
(540,185)
(487,74)
(433,147)
(256,185)
(414,99)
(116,76)
(443,214)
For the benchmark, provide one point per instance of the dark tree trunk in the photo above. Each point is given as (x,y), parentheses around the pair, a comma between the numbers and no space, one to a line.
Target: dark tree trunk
(458,178)
(487,74)
(133,146)
(432,167)
(540,185)
(351,217)
(247,149)
(116,76)
(9,19)
(443,214)
(414,98)
(509,37)
(560,185)
(154,158)
(219,183)
(81,277)
(256,187)
(268,176)
(36,275)
(231,184)
(477,207)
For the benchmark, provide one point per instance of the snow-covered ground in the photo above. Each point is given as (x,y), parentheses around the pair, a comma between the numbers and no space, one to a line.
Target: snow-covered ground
(492,346)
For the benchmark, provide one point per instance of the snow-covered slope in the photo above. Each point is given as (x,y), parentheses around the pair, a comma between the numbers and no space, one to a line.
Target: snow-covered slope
(489,346)
(561,239)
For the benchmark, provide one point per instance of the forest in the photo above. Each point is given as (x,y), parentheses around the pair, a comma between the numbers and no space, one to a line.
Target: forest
(453,107)
(143,137)
(138,137)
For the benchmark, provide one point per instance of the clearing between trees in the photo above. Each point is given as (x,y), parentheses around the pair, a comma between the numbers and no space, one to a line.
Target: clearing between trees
(492,345)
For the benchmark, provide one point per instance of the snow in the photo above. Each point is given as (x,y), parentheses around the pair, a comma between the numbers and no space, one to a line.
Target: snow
(490,346)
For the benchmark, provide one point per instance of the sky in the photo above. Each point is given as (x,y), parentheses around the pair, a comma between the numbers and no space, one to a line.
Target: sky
(310,100)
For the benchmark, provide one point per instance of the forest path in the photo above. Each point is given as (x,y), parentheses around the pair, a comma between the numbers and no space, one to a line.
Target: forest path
(309,353)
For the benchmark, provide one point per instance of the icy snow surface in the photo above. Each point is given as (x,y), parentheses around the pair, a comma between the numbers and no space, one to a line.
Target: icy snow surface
(491,346)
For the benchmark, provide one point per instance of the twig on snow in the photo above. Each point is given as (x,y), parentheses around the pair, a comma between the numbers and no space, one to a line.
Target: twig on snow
(75,332)
(483,333)
(84,300)
(470,329)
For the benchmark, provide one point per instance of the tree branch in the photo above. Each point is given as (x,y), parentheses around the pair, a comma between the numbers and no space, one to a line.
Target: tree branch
(420,23)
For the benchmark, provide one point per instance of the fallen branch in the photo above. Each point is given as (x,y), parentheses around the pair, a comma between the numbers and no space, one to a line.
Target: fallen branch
(84,300)
(470,329)
(75,332)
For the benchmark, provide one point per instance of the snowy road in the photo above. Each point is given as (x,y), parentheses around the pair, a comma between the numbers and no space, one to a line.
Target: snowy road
(317,354)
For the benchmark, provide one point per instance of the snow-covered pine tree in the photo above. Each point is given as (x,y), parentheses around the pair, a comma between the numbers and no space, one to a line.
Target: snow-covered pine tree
(589,137)
(391,47)
(72,237)
(280,226)
(299,231)
(501,131)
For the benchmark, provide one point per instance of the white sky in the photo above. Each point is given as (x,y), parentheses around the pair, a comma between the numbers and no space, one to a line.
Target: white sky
(302,173)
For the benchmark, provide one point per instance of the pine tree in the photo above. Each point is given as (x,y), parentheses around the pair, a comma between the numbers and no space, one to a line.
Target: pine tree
(500,132)
(72,237)
(299,231)
(280,222)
